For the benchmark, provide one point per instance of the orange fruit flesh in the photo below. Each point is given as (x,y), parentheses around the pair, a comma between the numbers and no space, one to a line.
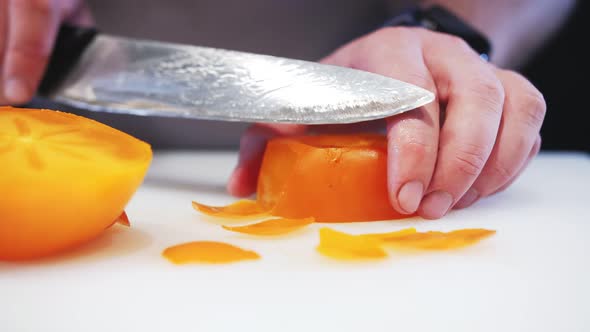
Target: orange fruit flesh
(333,178)
(64,179)
(242,209)
(276,226)
(207,252)
(341,245)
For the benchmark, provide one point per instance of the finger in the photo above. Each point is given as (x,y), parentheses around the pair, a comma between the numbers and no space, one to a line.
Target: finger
(32,28)
(534,152)
(412,136)
(474,100)
(524,111)
(252,145)
(77,12)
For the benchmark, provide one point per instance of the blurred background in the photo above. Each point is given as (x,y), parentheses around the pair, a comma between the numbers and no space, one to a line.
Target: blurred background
(560,72)
(559,69)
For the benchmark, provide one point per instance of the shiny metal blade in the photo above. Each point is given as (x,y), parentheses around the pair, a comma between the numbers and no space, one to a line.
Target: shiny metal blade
(152,78)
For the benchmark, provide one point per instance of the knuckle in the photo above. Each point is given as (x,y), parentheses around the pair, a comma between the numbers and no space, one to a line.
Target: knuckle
(421,79)
(529,101)
(501,171)
(470,160)
(418,150)
(456,42)
(489,93)
(533,107)
(399,33)
(380,41)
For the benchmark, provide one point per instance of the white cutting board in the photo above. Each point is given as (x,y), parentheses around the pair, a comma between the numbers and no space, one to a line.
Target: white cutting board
(534,275)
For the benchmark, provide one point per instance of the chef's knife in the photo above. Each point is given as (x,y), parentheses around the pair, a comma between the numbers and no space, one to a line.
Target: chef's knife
(98,72)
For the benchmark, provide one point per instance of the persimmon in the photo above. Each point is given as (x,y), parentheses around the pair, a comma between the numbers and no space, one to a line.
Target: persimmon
(333,178)
(64,180)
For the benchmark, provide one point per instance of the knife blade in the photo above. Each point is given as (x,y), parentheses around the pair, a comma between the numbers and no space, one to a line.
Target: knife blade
(105,73)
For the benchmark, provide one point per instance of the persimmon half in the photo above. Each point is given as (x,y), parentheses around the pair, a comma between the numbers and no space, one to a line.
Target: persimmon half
(64,180)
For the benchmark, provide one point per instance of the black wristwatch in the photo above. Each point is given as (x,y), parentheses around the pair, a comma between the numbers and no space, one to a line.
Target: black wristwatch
(439,19)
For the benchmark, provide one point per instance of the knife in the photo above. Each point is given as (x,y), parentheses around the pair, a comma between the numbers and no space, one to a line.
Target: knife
(94,71)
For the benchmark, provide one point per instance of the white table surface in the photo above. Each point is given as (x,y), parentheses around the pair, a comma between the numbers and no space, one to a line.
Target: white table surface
(533,275)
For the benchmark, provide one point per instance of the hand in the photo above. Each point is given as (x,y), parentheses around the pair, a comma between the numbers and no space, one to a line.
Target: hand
(27,32)
(473,141)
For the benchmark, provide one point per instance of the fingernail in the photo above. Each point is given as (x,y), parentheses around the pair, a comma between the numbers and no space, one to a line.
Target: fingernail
(16,91)
(469,198)
(410,195)
(436,204)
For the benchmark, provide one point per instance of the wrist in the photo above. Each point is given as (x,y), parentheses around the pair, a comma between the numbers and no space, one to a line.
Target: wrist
(437,18)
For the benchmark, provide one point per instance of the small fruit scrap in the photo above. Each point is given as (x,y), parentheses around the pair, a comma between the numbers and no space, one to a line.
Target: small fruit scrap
(207,252)
(242,209)
(340,245)
(277,226)
(123,219)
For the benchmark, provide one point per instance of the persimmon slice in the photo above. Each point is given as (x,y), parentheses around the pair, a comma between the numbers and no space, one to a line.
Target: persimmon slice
(242,209)
(276,226)
(435,240)
(207,252)
(340,245)
(65,179)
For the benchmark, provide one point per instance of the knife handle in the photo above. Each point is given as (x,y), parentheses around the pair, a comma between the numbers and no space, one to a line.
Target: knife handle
(70,43)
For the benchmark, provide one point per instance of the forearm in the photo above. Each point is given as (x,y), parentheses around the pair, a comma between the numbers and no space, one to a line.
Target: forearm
(516,28)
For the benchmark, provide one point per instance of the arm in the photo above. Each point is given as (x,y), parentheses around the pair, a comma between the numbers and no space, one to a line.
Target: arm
(516,28)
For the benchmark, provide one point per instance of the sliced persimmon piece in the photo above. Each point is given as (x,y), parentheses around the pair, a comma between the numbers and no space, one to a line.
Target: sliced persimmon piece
(333,178)
(242,209)
(275,226)
(340,245)
(207,252)
(435,240)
